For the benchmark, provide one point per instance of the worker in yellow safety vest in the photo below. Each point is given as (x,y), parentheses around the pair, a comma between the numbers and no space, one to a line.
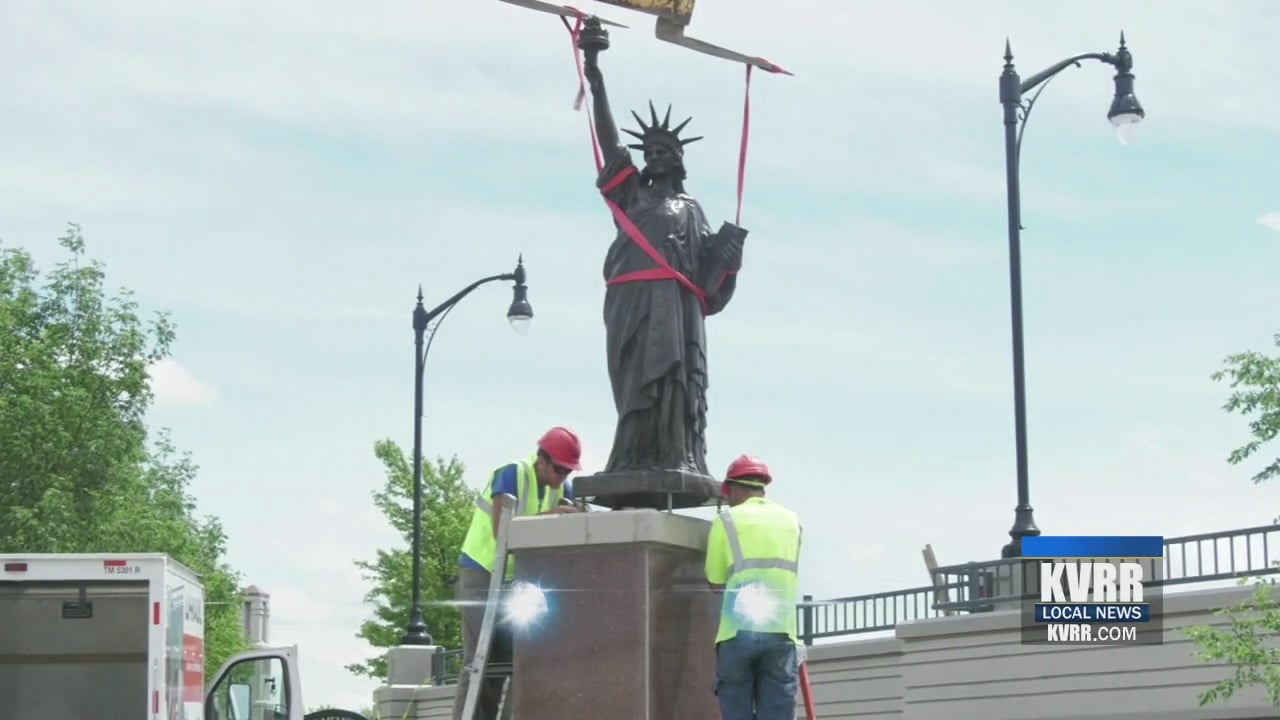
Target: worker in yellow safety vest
(753,557)
(538,484)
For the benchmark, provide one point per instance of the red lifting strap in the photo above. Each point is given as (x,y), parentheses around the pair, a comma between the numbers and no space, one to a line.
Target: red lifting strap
(664,271)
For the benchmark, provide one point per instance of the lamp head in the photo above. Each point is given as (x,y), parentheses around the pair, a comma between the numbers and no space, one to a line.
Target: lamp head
(521,312)
(1126,112)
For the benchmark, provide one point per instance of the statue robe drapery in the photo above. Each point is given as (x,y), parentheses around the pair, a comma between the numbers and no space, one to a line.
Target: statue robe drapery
(655,329)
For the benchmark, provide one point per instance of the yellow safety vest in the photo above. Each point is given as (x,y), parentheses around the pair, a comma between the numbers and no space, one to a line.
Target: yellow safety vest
(759,542)
(480,545)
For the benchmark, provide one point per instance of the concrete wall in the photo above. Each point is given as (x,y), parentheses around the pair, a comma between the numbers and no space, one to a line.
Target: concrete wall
(974,666)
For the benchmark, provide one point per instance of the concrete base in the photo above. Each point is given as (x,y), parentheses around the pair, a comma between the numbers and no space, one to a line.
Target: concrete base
(410,664)
(630,628)
(408,671)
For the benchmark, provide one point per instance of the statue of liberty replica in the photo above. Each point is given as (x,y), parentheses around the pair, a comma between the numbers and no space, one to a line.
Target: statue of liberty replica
(665,271)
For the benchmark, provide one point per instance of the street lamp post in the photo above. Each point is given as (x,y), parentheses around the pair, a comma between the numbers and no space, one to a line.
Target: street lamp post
(1124,115)
(519,314)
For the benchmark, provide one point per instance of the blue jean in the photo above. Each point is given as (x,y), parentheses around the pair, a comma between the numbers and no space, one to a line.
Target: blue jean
(756,677)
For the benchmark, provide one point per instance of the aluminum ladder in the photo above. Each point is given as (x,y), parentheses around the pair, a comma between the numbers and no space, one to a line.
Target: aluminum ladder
(479,667)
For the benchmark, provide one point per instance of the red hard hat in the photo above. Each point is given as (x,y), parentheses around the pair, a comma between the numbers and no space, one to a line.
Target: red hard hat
(746,466)
(563,447)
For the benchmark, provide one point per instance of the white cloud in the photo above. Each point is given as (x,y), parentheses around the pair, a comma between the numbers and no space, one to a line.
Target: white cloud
(292,605)
(1270,220)
(304,560)
(174,385)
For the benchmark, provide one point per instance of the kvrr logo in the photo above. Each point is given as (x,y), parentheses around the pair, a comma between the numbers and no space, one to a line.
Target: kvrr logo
(1097,581)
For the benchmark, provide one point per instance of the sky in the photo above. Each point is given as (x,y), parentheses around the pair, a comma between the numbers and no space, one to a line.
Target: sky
(281,177)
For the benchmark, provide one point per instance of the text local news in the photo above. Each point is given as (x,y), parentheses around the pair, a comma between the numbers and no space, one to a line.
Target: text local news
(1083,579)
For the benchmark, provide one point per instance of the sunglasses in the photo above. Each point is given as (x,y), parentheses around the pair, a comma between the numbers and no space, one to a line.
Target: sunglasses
(561,471)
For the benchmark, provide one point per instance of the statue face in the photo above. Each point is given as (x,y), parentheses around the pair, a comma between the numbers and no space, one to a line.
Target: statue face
(660,160)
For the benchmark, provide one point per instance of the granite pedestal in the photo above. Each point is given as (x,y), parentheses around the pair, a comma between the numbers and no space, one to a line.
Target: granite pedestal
(630,624)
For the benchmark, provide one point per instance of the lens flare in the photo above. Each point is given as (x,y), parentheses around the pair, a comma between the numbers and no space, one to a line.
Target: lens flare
(525,603)
(755,604)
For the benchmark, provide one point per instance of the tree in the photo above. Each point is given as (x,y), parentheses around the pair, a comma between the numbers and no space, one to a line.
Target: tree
(77,470)
(447,504)
(199,543)
(1255,380)
(1253,624)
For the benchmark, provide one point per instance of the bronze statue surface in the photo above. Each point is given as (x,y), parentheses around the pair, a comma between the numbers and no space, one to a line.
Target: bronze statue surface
(661,287)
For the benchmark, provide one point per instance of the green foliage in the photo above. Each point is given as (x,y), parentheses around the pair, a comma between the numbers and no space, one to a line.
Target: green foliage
(171,526)
(1255,623)
(447,504)
(77,473)
(1255,379)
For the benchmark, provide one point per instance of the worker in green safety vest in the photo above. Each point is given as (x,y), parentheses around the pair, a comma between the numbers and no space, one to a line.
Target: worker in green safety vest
(753,557)
(539,485)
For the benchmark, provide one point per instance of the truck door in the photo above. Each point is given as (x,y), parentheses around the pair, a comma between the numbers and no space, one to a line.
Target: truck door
(256,685)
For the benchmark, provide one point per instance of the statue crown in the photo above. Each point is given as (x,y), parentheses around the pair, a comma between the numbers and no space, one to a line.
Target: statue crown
(659,131)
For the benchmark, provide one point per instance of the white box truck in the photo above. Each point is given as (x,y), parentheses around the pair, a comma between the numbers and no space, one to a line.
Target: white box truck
(121,637)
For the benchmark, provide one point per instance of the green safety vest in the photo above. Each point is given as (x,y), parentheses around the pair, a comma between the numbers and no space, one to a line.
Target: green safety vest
(760,595)
(480,544)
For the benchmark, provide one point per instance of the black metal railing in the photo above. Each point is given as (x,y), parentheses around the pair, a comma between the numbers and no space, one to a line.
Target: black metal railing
(446,665)
(1247,553)
(975,587)
(865,613)
(1208,557)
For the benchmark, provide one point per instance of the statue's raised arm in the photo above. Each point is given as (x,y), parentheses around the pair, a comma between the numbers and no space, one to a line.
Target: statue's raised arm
(592,39)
